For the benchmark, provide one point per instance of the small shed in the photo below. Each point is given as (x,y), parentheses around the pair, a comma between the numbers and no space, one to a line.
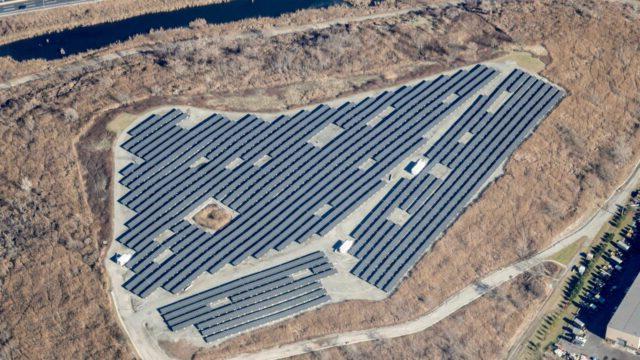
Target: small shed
(344,246)
(122,259)
(418,166)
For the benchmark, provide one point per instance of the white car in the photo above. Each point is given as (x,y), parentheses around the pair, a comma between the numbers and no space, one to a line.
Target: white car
(580,340)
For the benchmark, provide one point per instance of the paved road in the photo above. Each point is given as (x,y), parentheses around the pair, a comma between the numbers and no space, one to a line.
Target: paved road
(587,227)
(464,297)
(15,7)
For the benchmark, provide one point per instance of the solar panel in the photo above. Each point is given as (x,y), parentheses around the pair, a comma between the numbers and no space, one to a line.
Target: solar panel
(253,300)
(275,202)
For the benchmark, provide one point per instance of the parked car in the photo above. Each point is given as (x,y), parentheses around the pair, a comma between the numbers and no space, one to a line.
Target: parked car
(580,340)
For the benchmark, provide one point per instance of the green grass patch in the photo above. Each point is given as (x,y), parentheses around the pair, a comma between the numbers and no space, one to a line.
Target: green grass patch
(565,255)
(551,327)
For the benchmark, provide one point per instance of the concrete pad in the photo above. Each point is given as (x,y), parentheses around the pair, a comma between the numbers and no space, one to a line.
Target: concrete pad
(497,103)
(234,163)
(325,135)
(323,210)
(398,216)
(219,303)
(376,119)
(300,274)
(263,160)
(367,164)
(201,160)
(440,171)
(164,255)
(164,236)
(451,98)
(465,138)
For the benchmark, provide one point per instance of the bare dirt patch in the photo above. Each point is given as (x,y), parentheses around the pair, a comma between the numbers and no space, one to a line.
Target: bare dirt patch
(121,122)
(178,349)
(525,60)
(213,217)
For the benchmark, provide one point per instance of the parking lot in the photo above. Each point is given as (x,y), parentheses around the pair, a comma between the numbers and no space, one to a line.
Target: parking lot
(614,268)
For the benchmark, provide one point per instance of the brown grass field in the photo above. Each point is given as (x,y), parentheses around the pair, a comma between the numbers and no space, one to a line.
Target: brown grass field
(198,31)
(481,330)
(33,23)
(56,178)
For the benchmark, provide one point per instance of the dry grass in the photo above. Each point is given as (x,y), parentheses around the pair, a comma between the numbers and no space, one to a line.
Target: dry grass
(576,157)
(213,217)
(53,298)
(54,235)
(121,122)
(481,330)
(10,69)
(30,24)
(567,254)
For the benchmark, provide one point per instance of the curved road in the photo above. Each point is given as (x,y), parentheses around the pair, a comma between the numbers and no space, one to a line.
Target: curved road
(588,227)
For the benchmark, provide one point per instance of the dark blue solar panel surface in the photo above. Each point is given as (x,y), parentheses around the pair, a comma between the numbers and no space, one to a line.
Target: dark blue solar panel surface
(254,300)
(386,250)
(276,202)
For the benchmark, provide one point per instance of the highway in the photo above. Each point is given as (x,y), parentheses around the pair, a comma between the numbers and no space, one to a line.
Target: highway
(20,6)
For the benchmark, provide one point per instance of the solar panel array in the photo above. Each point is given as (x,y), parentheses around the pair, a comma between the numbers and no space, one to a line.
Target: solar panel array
(276,200)
(254,300)
(478,142)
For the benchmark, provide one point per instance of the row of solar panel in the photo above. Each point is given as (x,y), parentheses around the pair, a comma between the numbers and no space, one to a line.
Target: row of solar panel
(422,185)
(387,251)
(254,300)
(424,239)
(277,201)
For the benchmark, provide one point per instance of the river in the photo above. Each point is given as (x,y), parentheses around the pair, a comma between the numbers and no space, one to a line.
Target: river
(77,40)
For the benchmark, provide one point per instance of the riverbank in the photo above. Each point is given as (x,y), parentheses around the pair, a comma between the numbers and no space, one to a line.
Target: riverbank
(29,24)
(26,25)
(53,46)
(12,70)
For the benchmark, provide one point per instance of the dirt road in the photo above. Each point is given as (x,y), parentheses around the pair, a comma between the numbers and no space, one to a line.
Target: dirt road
(588,227)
